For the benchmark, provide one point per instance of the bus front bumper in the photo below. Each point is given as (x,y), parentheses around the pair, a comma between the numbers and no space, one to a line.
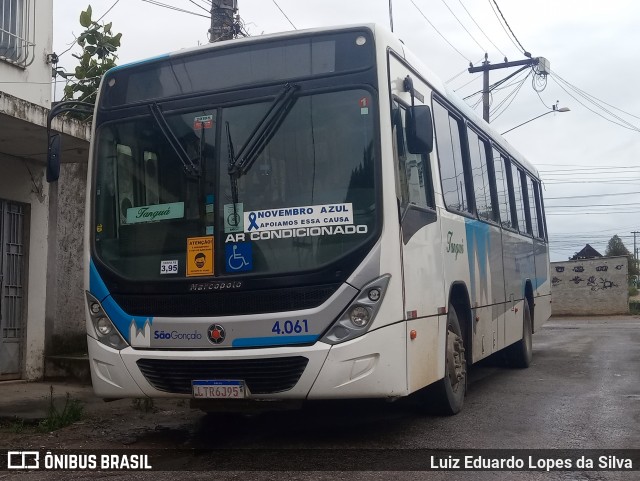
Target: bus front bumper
(371,366)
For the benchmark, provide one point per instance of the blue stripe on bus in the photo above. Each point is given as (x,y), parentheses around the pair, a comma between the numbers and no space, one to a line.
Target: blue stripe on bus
(120,319)
(139,62)
(272,341)
(96,285)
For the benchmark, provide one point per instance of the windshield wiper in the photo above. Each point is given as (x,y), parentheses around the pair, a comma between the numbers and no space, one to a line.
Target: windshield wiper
(189,167)
(233,177)
(263,132)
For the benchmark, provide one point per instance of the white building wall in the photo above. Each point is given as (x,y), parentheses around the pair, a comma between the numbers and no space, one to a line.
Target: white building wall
(17,185)
(33,83)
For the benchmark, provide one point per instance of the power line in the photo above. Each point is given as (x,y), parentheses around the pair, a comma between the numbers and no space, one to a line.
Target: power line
(480,28)
(438,31)
(526,54)
(200,6)
(588,206)
(579,92)
(629,126)
(285,15)
(505,30)
(590,170)
(171,7)
(596,98)
(462,25)
(596,213)
(513,95)
(463,71)
(591,196)
(477,76)
(103,15)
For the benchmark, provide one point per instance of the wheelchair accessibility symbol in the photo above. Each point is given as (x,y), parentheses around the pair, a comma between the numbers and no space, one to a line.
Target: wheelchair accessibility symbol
(239,257)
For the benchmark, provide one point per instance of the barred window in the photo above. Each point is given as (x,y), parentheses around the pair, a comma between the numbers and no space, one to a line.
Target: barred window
(16,32)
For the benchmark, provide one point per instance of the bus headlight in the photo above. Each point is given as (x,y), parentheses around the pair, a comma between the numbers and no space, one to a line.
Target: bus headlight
(359,316)
(104,330)
(103,326)
(356,319)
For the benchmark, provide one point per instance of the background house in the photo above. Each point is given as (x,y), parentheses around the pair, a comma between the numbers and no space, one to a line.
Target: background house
(31,220)
(587,252)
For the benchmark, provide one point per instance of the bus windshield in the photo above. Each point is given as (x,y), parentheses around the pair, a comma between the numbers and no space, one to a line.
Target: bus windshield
(165,205)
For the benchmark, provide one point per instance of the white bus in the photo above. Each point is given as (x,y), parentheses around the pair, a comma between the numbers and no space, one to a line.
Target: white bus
(300,216)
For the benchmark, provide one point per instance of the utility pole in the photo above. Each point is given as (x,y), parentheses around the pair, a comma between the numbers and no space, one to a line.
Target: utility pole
(223,21)
(486,66)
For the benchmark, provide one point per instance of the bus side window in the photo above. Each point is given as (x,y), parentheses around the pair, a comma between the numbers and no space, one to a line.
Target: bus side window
(502,185)
(452,175)
(539,210)
(482,177)
(521,218)
(533,214)
(414,184)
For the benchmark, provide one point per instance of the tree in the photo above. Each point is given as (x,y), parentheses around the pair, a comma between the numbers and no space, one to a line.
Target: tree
(616,247)
(98,55)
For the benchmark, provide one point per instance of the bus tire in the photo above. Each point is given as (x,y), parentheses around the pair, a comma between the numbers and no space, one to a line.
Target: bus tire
(520,354)
(449,392)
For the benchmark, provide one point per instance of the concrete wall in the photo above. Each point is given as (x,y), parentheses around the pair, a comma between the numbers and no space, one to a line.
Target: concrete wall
(33,83)
(66,331)
(590,287)
(22,181)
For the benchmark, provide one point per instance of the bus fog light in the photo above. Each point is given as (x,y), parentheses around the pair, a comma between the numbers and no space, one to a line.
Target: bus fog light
(103,326)
(95,308)
(374,295)
(359,316)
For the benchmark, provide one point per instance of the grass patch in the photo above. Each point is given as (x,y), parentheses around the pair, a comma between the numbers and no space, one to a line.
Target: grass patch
(634,307)
(633,291)
(57,419)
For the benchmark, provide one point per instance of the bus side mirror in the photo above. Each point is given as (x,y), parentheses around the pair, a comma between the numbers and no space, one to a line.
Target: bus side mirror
(419,130)
(53,158)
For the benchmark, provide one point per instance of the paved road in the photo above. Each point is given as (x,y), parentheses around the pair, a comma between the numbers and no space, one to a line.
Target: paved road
(582,392)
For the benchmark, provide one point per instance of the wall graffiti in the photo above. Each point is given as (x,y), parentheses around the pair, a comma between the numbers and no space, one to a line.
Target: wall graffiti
(590,286)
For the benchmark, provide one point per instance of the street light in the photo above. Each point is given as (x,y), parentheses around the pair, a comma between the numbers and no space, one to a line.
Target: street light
(553,110)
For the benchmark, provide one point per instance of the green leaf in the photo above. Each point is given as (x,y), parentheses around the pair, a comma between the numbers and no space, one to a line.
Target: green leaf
(85,18)
(107,27)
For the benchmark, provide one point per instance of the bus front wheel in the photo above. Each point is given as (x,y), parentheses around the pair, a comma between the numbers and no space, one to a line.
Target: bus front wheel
(449,392)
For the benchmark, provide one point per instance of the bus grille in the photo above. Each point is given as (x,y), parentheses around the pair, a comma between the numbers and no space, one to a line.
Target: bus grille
(225,303)
(262,376)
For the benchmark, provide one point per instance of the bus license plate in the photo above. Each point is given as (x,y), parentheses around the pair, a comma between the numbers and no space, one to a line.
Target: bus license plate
(218,389)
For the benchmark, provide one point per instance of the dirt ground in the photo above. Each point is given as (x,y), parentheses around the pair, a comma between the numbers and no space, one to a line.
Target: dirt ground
(117,424)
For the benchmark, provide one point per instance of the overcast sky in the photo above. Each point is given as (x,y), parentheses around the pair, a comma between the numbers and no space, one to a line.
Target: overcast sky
(590,44)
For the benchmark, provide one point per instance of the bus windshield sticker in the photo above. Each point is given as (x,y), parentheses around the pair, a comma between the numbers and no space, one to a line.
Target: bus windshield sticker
(154,213)
(169,267)
(313,215)
(203,122)
(233,218)
(209,230)
(364,106)
(199,256)
(239,257)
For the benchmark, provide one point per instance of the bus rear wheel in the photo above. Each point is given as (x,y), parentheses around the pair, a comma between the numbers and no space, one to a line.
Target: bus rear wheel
(520,354)
(450,391)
